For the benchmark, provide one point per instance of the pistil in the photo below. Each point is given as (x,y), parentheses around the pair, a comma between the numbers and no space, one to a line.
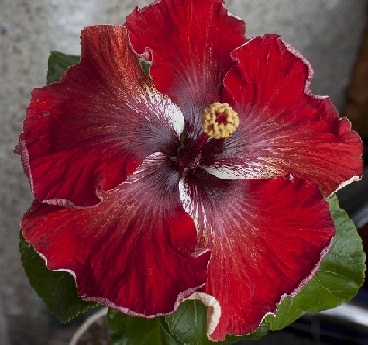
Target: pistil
(219,120)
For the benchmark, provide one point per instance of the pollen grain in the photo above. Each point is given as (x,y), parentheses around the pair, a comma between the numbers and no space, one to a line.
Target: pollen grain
(219,120)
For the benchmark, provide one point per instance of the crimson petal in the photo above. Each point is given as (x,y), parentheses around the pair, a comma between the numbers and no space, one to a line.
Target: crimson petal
(266,237)
(93,129)
(134,251)
(284,129)
(189,43)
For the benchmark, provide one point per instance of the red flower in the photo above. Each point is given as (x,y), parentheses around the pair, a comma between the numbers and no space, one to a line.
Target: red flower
(143,216)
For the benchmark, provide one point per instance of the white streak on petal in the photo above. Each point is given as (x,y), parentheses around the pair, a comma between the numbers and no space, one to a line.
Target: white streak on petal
(253,170)
(235,172)
(185,198)
(166,109)
(192,209)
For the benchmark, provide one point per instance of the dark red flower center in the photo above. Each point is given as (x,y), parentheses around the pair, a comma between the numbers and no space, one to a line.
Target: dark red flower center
(189,155)
(219,120)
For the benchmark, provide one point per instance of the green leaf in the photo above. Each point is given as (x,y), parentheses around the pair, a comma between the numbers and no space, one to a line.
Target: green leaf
(58,64)
(338,279)
(57,289)
(133,330)
(258,334)
(145,66)
(189,323)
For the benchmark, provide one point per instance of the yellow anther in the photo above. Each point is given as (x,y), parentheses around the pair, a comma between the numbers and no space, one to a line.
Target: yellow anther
(219,120)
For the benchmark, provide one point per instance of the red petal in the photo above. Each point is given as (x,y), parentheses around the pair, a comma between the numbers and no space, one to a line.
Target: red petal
(97,125)
(127,251)
(284,129)
(189,43)
(266,238)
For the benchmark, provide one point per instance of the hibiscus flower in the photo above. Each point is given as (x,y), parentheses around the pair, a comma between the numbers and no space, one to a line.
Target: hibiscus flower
(206,178)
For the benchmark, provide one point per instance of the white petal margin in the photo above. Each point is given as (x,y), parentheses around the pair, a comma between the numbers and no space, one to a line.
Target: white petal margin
(304,281)
(213,310)
(308,92)
(230,14)
(345,183)
(296,53)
